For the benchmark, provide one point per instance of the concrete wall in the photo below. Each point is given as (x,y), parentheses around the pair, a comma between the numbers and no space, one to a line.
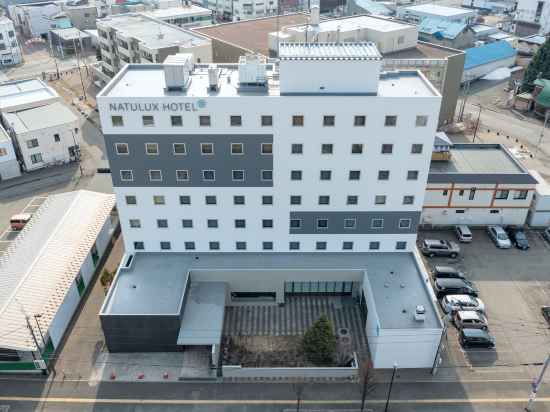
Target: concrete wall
(474,216)
(223,52)
(64,315)
(451,88)
(9,166)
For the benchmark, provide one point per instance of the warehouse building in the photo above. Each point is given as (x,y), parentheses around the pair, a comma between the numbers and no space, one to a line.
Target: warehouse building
(485,59)
(416,14)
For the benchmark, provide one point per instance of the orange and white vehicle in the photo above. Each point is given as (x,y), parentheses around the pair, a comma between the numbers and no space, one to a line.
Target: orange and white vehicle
(18,222)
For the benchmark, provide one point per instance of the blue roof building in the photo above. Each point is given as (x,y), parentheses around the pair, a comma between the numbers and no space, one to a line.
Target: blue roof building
(487,58)
(447,33)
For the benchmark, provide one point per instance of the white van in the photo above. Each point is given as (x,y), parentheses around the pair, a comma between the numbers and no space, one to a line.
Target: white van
(463,233)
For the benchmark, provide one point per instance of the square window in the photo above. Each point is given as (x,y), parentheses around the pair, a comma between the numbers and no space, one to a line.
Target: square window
(238,200)
(416,148)
(139,245)
(237,175)
(210,200)
(359,120)
(189,245)
(295,200)
(325,175)
(520,194)
(187,223)
(352,200)
(321,245)
(212,223)
(185,200)
(421,121)
(148,121)
(180,149)
(36,158)
(267,148)
(296,175)
(162,223)
(122,148)
(347,245)
(240,245)
(131,200)
(126,175)
(267,121)
(445,192)
(294,245)
(295,223)
(329,120)
(155,175)
(460,211)
(408,200)
(237,149)
(400,245)
(117,121)
(387,148)
(267,175)
(135,223)
(267,245)
(374,245)
(297,148)
(377,223)
(214,245)
(412,175)
(267,223)
(159,200)
(326,148)
(383,174)
(56,138)
(176,121)
(267,200)
(322,223)
(380,200)
(324,200)
(32,143)
(207,148)
(182,175)
(461,192)
(240,223)
(297,121)
(235,120)
(209,175)
(350,223)
(204,120)
(152,148)
(354,174)
(405,223)
(165,246)
(390,121)
(502,194)
(356,148)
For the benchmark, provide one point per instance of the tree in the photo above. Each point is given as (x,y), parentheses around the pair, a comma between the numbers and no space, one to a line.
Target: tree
(106,278)
(319,342)
(540,64)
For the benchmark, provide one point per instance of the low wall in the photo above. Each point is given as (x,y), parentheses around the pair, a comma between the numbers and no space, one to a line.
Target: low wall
(237,371)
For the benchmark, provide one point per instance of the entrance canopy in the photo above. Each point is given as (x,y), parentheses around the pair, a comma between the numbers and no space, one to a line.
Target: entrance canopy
(203,314)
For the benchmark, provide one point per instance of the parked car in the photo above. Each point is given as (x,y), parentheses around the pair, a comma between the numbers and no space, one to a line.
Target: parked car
(452,303)
(18,222)
(463,233)
(546,313)
(499,237)
(454,286)
(470,319)
(441,272)
(546,234)
(518,238)
(436,247)
(479,338)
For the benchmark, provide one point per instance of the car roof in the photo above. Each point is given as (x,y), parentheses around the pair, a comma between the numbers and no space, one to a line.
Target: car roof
(451,282)
(497,228)
(21,216)
(468,314)
(460,298)
(445,269)
(434,241)
(475,333)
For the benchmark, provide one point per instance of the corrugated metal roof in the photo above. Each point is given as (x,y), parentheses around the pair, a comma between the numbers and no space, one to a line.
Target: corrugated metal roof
(441,28)
(40,117)
(477,56)
(40,265)
(329,51)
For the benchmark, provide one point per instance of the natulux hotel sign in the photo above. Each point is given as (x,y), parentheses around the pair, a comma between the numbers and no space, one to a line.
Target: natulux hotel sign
(158,107)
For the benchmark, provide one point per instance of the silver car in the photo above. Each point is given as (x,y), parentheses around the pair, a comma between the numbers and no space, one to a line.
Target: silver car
(499,237)
(453,303)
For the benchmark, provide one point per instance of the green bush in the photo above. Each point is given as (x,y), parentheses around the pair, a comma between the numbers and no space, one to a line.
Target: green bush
(319,342)
(106,278)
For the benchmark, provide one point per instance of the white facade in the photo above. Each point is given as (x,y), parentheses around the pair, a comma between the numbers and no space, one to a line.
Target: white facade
(418,13)
(245,10)
(9,166)
(183,15)
(539,213)
(535,12)
(10,52)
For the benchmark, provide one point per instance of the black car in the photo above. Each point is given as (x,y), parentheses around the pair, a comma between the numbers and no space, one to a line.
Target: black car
(476,338)
(518,238)
(454,286)
(441,272)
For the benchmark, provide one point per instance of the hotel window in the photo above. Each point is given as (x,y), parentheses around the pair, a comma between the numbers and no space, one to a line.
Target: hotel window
(324,200)
(521,194)
(240,223)
(494,211)
(359,121)
(237,148)
(240,245)
(159,200)
(354,174)
(214,245)
(502,194)
(267,121)
(32,143)
(209,175)
(329,120)
(400,245)
(374,245)
(377,223)
(182,175)
(176,121)
(148,121)
(139,245)
(267,223)
(126,175)
(380,200)
(347,245)
(325,175)
(117,121)
(445,192)
(179,148)
(267,245)
(412,175)
(297,121)
(131,200)
(297,148)
(267,148)
(189,245)
(472,194)
(152,148)
(267,200)
(326,148)
(185,200)
(210,200)
(207,148)
(405,223)
(295,223)
(162,223)
(408,200)
(212,223)
(165,246)
(36,158)
(350,223)
(352,200)
(267,175)
(383,174)
(460,211)
(421,121)
(204,120)
(294,245)
(155,175)
(237,175)
(387,148)
(321,245)
(295,200)
(390,121)
(135,223)
(235,120)
(238,200)
(187,223)
(122,148)
(322,223)
(356,148)
(296,175)
(416,148)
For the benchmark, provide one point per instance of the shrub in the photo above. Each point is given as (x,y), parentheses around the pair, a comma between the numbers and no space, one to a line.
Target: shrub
(319,342)
(106,277)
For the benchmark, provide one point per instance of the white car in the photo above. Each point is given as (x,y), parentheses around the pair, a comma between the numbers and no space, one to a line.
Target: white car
(499,237)
(453,303)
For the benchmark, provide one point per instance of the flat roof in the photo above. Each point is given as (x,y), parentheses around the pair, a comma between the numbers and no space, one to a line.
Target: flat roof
(356,22)
(252,34)
(329,51)
(403,289)
(39,118)
(444,11)
(423,50)
(152,33)
(70,33)
(22,92)
(38,269)
(182,11)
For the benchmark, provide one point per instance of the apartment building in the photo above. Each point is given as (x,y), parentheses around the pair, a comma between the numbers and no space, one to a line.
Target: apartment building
(183,15)
(9,166)
(37,19)
(254,180)
(233,10)
(532,17)
(10,52)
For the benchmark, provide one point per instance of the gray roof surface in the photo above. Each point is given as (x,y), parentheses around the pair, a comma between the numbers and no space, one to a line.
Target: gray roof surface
(332,51)
(71,33)
(439,10)
(40,117)
(28,91)
(349,23)
(160,283)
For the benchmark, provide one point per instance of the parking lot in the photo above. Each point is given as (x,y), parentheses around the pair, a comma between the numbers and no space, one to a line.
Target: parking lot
(513,284)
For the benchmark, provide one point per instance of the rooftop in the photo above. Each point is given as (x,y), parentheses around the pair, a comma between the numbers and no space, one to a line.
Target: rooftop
(443,11)
(71,33)
(152,33)
(373,7)
(38,118)
(25,92)
(441,28)
(534,39)
(356,22)
(477,56)
(424,51)
(404,289)
(329,51)
(39,267)
(183,11)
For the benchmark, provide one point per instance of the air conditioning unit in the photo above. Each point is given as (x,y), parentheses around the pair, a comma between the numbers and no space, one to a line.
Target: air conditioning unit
(420,313)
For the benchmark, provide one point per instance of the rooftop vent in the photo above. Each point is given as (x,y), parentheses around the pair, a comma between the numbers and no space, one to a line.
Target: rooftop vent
(213,77)
(420,313)
(252,71)
(314,16)
(176,71)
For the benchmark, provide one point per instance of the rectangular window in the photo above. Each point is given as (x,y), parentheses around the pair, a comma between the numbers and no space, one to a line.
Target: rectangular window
(521,194)
(472,194)
(416,148)
(294,245)
(387,148)
(267,121)
(400,245)
(267,148)
(235,120)
(210,200)
(297,121)
(176,121)
(240,223)
(405,223)
(325,175)
(380,200)
(324,200)
(267,245)
(214,245)
(412,175)
(165,246)
(296,175)
(131,200)
(56,138)
(122,148)
(212,223)
(207,148)
(374,245)
(347,245)
(383,174)
(390,121)
(421,121)
(159,200)
(267,200)
(326,148)
(182,175)
(295,223)
(350,223)
(155,175)
(180,149)
(267,223)
(356,148)
(321,245)
(267,175)
(494,211)
(162,223)
(126,175)
(237,149)
(240,245)
(295,200)
(408,200)
(139,245)
(237,175)
(461,192)
(352,200)
(329,121)
(359,121)
(32,143)
(152,148)
(148,121)
(117,121)
(502,194)
(189,245)
(185,200)
(204,121)
(135,223)
(354,174)
(297,148)
(187,223)
(377,223)
(460,211)
(322,223)
(238,200)
(209,175)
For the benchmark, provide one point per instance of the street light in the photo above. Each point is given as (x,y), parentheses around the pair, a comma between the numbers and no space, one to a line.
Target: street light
(391,384)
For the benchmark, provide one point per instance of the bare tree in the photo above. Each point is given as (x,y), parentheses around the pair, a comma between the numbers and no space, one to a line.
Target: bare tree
(367,381)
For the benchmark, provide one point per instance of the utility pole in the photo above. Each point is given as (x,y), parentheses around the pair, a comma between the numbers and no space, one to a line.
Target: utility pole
(546,116)
(477,123)
(390,388)
(536,385)
(79,71)
(464,100)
